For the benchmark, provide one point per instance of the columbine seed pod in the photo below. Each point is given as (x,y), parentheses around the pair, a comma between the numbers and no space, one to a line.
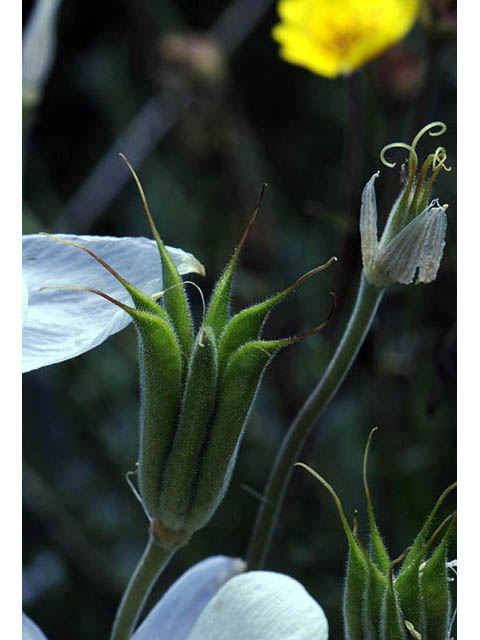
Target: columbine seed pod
(391,623)
(214,413)
(198,403)
(381,604)
(247,324)
(175,300)
(376,586)
(435,590)
(412,243)
(206,442)
(196,394)
(158,411)
(236,393)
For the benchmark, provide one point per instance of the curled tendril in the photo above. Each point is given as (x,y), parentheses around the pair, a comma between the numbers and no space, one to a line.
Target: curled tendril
(441,128)
(434,129)
(397,145)
(439,159)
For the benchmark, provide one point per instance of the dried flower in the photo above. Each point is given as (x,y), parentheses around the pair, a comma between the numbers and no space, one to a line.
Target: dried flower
(412,243)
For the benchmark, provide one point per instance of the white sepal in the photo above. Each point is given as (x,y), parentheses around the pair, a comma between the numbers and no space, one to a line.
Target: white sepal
(419,246)
(368,223)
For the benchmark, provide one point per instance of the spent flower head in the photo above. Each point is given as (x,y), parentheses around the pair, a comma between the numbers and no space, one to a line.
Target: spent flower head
(332,37)
(412,243)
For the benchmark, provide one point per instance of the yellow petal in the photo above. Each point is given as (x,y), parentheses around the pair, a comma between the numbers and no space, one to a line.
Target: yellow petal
(330,37)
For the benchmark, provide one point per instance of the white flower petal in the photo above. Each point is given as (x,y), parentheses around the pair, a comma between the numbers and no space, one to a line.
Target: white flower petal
(24,301)
(30,631)
(261,605)
(175,614)
(62,324)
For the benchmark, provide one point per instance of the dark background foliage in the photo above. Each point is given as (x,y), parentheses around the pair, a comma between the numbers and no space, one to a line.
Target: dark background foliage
(252,119)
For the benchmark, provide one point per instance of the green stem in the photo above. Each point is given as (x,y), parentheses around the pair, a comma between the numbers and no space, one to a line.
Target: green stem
(151,565)
(368,299)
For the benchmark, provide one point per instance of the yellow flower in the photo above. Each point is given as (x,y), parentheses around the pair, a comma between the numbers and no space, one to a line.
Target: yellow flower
(331,37)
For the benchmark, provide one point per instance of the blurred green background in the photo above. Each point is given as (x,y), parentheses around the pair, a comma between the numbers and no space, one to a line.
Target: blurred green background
(205,125)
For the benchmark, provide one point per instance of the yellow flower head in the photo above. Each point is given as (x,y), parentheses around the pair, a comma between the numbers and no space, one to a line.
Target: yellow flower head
(331,37)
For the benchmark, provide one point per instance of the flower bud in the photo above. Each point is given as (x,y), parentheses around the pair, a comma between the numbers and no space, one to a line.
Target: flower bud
(380,602)
(411,246)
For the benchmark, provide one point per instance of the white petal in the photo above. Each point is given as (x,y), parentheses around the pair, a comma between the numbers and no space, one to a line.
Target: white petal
(368,223)
(261,605)
(30,631)
(418,246)
(24,301)
(62,324)
(175,614)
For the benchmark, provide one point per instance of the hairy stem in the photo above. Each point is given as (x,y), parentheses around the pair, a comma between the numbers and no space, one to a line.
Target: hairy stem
(150,566)
(368,299)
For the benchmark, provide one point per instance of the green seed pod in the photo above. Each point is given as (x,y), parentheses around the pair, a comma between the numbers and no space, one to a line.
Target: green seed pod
(160,395)
(160,387)
(195,415)
(247,324)
(407,586)
(236,393)
(435,589)
(417,549)
(218,311)
(357,578)
(378,607)
(374,596)
(378,551)
(392,626)
(245,327)
(176,302)
(356,588)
